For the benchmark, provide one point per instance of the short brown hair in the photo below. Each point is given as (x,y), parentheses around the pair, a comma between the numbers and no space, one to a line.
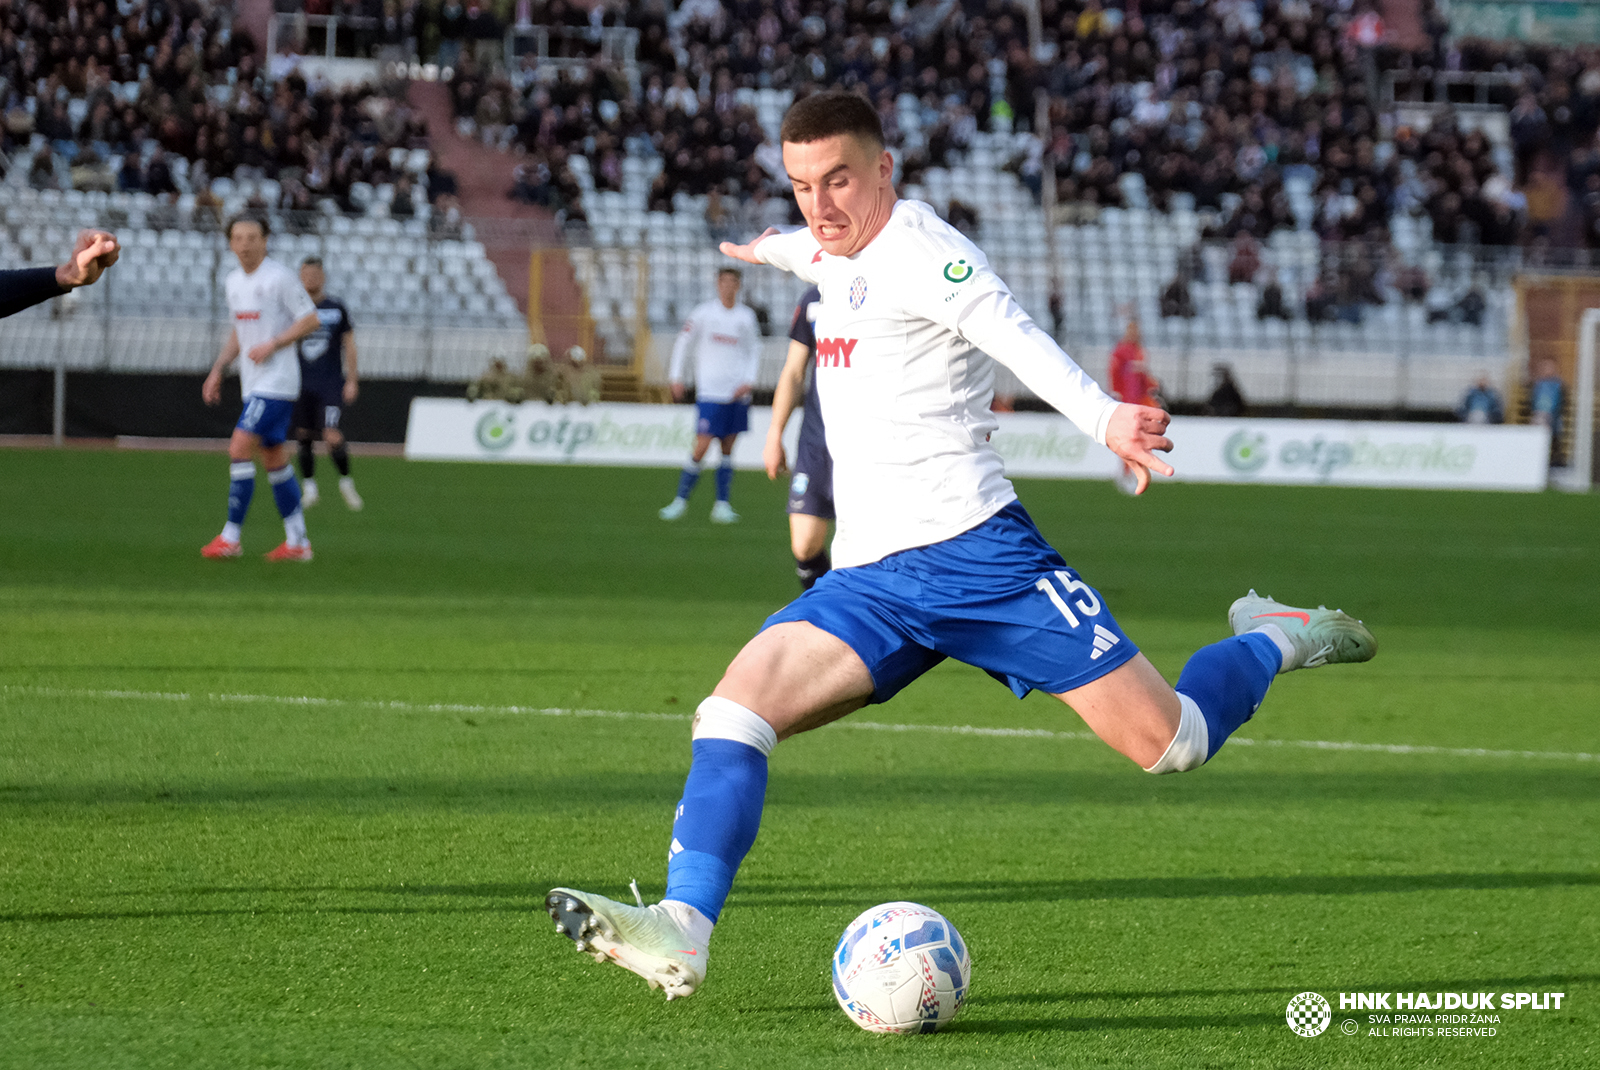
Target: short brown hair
(247,217)
(830,114)
(735,272)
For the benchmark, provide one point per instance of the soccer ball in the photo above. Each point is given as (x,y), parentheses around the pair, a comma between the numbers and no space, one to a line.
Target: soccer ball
(901,968)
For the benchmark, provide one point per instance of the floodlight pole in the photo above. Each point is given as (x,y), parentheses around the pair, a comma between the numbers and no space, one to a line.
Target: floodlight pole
(58,407)
(1580,477)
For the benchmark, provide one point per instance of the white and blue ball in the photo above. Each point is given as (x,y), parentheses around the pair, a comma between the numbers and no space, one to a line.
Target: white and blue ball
(901,968)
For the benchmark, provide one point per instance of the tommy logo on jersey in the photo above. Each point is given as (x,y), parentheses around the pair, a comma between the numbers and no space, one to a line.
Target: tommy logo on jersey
(836,350)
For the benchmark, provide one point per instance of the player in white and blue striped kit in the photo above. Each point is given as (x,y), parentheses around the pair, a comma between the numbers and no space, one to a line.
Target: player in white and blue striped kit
(725,342)
(271,311)
(934,556)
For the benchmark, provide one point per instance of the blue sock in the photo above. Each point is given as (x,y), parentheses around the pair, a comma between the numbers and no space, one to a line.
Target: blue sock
(690,476)
(716,824)
(1228,680)
(285,490)
(724,479)
(241,488)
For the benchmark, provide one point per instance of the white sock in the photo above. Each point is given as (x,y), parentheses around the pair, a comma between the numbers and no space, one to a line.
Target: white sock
(694,924)
(723,718)
(1291,660)
(308,485)
(1189,744)
(230,531)
(294,528)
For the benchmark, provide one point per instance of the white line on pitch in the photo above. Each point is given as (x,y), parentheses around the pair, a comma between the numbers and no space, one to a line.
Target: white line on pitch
(869,726)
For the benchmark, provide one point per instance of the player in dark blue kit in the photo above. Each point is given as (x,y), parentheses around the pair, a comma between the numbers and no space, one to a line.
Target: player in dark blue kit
(811,488)
(327,384)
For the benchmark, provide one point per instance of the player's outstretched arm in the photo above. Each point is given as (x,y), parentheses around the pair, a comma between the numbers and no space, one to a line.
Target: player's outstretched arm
(1132,433)
(95,251)
(299,329)
(747,251)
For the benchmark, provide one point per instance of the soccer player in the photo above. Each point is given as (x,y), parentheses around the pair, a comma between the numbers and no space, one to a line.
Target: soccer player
(271,312)
(811,489)
(934,557)
(328,383)
(724,339)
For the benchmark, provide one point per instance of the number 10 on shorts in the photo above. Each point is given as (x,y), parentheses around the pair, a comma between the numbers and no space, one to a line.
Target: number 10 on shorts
(1086,603)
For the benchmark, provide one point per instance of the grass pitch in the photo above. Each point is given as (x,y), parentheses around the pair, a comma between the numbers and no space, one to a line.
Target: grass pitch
(304,816)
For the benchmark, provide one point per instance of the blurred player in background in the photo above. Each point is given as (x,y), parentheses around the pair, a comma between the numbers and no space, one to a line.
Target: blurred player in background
(271,311)
(1129,371)
(724,339)
(94,251)
(811,489)
(327,384)
(1131,382)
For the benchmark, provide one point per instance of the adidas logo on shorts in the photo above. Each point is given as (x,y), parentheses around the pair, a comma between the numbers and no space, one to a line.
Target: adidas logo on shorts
(1104,640)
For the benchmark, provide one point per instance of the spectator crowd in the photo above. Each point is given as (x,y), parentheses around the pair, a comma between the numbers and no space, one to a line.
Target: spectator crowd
(1244,109)
(165,96)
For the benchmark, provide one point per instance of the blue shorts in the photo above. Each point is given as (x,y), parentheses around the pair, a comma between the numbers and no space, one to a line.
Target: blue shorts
(997,596)
(811,489)
(267,418)
(719,419)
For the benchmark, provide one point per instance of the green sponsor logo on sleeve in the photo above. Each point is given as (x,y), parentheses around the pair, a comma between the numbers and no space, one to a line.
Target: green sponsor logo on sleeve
(957,271)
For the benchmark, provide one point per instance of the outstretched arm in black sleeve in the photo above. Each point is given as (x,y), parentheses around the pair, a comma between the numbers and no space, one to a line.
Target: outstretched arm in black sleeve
(95,251)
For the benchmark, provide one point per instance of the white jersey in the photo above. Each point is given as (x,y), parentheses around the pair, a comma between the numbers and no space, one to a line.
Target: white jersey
(905,331)
(264,304)
(726,344)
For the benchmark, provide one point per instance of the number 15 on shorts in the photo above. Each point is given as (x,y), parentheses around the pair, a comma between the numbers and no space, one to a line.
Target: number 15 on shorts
(1085,602)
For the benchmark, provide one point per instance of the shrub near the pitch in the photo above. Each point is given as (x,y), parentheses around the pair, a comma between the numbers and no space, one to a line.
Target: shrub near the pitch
(901,968)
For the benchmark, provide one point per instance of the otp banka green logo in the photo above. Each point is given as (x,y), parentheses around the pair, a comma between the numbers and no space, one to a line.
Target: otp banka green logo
(957,271)
(1246,451)
(496,429)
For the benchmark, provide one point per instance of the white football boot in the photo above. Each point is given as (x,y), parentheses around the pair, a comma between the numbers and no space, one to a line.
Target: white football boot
(347,488)
(1320,636)
(673,509)
(722,513)
(643,939)
(308,493)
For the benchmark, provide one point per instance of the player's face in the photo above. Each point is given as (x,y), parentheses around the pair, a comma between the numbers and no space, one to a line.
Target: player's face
(248,244)
(312,278)
(843,187)
(728,288)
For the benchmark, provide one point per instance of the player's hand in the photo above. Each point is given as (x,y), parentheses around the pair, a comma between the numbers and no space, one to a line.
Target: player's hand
(772,456)
(1134,431)
(95,251)
(262,353)
(211,389)
(746,252)
(677,391)
(350,391)
(743,392)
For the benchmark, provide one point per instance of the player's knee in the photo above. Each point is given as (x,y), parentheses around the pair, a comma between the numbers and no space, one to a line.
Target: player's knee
(333,437)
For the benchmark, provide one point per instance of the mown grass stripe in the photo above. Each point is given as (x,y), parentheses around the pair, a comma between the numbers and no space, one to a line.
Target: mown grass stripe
(869,726)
